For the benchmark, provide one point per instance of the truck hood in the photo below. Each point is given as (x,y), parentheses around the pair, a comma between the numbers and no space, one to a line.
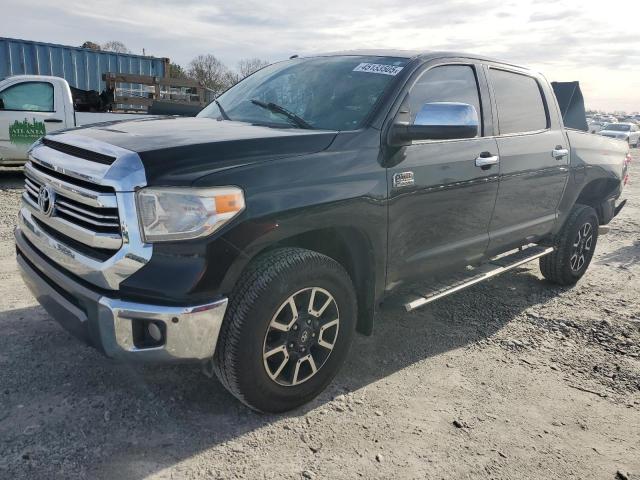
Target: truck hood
(178,151)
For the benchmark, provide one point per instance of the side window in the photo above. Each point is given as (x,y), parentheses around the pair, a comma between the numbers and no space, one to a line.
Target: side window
(28,97)
(448,83)
(520,104)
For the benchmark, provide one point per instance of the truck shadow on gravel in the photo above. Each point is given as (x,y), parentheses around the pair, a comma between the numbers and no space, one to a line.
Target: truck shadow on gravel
(68,407)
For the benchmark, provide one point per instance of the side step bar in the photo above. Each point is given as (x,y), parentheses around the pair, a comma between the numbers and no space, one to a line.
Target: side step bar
(495,267)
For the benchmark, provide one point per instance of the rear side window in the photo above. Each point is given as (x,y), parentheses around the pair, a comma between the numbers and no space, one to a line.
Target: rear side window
(520,104)
(28,97)
(449,83)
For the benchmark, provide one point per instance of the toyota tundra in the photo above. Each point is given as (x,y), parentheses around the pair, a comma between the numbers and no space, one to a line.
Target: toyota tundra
(260,236)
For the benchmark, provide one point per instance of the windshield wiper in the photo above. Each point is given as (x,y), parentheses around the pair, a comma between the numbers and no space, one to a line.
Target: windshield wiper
(274,107)
(222,112)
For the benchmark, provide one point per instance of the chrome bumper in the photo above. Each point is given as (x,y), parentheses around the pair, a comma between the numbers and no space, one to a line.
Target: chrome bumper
(191,332)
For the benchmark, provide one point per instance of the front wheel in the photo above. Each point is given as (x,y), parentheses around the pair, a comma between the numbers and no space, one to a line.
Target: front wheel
(574,247)
(288,329)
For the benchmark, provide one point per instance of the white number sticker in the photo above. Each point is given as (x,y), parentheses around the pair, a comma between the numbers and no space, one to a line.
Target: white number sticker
(378,68)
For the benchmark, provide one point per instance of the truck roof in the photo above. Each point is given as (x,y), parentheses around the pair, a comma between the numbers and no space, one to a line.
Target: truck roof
(415,54)
(35,77)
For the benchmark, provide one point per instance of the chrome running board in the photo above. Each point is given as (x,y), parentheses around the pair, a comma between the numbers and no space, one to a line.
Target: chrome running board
(496,266)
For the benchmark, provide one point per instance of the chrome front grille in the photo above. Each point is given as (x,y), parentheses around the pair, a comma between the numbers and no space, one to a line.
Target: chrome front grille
(92,230)
(81,214)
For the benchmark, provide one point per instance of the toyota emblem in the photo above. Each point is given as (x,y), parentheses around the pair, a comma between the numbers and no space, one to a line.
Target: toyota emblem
(46,200)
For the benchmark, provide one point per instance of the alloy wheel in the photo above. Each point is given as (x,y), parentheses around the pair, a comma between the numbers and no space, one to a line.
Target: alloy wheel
(581,247)
(301,336)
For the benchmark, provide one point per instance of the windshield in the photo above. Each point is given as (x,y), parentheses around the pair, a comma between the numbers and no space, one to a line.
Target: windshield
(617,127)
(328,93)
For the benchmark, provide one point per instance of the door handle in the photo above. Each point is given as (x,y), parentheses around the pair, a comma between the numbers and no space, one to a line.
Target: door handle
(559,152)
(53,120)
(486,160)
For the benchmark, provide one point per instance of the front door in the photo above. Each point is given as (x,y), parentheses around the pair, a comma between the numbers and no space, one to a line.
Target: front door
(441,219)
(27,112)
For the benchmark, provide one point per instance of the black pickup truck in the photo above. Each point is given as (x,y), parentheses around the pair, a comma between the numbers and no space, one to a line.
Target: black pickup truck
(259,236)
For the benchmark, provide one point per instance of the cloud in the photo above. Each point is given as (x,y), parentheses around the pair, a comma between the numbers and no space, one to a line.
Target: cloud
(554,16)
(571,39)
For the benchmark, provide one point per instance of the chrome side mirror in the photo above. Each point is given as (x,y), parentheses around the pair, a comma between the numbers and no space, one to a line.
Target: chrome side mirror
(438,121)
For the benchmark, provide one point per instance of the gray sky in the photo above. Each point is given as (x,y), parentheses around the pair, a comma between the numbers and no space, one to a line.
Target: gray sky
(593,41)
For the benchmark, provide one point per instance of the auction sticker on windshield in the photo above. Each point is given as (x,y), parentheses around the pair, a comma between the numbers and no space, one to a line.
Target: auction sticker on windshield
(378,68)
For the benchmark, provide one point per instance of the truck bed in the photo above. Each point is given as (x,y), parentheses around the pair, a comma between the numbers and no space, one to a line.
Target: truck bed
(596,151)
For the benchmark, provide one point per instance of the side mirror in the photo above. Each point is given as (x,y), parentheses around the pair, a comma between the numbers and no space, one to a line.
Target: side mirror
(438,121)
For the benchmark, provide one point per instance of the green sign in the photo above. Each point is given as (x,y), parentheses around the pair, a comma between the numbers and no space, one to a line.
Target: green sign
(25,133)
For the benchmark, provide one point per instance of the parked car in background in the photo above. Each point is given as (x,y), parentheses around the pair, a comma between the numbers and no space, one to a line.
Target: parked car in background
(605,118)
(596,125)
(32,106)
(629,132)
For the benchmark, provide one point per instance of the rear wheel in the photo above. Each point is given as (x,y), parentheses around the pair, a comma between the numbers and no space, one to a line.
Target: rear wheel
(574,247)
(288,329)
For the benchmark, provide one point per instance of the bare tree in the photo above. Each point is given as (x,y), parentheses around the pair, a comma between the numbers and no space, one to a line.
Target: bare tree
(231,78)
(211,72)
(115,46)
(247,66)
(91,45)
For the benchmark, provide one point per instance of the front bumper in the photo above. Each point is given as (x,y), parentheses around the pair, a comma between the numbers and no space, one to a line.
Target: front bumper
(109,323)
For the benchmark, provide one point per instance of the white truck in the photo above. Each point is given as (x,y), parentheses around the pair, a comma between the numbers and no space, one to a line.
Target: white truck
(32,106)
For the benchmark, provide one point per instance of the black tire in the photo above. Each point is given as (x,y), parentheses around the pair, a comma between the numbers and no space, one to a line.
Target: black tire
(263,290)
(573,249)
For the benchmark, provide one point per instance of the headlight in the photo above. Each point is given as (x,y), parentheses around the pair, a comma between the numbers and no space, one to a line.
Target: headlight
(167,213)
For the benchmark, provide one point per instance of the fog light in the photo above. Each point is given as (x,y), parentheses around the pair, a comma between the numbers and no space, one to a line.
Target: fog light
(148,333)
(154,331)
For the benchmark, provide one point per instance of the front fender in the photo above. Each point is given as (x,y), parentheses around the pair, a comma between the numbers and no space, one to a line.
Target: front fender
(284,198)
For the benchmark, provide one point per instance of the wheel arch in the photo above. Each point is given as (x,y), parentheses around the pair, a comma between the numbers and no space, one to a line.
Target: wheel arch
(352,249)
(597,194)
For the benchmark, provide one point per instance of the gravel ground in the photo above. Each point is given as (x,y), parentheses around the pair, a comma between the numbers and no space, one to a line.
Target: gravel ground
(514,378)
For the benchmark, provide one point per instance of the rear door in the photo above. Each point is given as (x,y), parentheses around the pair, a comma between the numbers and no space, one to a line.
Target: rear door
(534,158)
(28,113)
(440,219)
